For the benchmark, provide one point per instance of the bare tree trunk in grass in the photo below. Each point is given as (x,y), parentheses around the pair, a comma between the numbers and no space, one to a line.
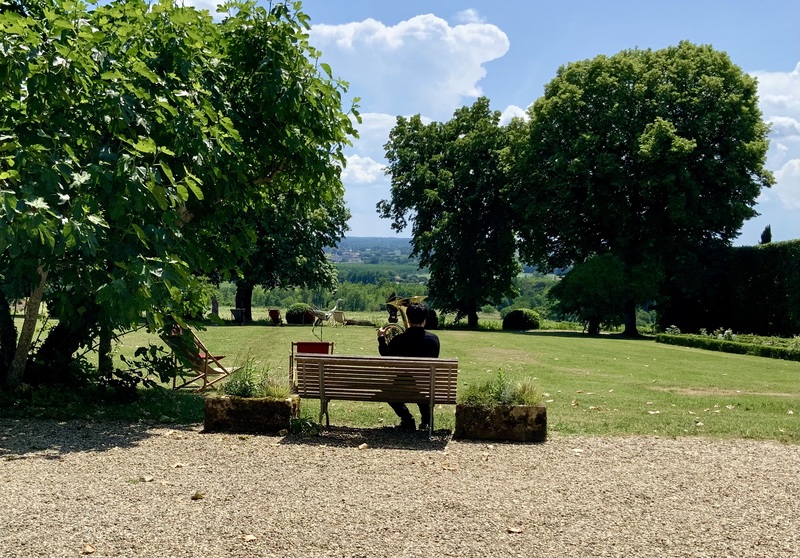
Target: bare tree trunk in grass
(17,369)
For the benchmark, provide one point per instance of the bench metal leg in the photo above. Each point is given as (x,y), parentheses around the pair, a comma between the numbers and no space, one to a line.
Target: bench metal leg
(430,424)
(323,410)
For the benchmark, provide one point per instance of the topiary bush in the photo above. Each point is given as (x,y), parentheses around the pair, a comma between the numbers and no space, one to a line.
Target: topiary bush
(296,313)
(522,319)
(432,321)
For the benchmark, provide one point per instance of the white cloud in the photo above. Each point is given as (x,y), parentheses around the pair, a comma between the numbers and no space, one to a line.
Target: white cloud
(779,92)
(784,128)
(779,96)
(419,66)
(362,170)
(787,184)
(210,5)
(511,112)
(469,16)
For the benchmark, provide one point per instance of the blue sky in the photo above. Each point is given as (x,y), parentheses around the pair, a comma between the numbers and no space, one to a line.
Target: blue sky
(430,57)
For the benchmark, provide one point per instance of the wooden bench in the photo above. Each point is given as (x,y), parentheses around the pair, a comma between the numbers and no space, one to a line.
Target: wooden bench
(374,378)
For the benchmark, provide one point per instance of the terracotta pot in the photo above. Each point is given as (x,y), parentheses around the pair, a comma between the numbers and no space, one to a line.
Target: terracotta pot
(250,415)
(514,423)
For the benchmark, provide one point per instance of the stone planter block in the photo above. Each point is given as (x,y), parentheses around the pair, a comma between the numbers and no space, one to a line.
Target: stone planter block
(249,415)
(513,423)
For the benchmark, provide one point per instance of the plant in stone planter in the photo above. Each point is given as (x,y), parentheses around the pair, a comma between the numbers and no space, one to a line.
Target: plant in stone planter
(501,410)
(252,401)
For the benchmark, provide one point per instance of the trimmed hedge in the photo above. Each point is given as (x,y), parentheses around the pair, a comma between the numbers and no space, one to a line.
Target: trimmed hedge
(712,344)
(522,319)
(750,289)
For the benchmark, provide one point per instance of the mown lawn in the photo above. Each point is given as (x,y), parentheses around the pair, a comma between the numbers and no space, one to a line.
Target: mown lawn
(604,385)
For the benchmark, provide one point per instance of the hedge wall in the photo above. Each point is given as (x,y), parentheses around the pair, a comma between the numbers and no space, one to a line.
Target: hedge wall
(748,289)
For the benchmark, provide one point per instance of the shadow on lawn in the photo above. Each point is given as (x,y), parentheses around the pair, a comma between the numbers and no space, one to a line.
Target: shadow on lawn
(379,438)
(49,439)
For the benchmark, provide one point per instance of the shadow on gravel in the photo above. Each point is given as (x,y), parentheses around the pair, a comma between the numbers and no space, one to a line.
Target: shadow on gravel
(20,438)
(379,438)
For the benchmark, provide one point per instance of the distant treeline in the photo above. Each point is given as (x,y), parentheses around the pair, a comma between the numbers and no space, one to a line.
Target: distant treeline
(365,288)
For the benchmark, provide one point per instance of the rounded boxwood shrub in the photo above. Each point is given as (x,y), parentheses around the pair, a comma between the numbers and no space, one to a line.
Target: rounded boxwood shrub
(521,318)
(296,313)
(432,321)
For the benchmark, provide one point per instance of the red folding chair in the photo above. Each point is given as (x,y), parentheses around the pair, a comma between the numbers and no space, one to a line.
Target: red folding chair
(316,347)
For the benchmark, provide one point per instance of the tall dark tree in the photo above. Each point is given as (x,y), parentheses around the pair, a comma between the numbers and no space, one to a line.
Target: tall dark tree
(647,155)
(447,179)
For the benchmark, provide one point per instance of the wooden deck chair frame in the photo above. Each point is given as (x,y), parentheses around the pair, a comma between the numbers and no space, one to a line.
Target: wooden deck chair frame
(203,368)
(275,316)
(315,347)
(338,317)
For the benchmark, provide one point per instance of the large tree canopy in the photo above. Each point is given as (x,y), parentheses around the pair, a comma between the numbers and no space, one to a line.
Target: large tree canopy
(447,178)
(646,155)
(136,138)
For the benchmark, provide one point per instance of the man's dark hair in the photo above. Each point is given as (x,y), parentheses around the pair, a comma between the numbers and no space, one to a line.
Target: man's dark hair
(416,313)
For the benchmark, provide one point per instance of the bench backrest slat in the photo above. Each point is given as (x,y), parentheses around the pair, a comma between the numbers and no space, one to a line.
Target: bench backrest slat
(371,378)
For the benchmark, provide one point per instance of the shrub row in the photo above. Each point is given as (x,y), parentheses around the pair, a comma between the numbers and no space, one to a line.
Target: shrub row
(712,344)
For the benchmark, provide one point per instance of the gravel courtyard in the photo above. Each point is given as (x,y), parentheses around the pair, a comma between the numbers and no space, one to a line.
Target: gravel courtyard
(119,490)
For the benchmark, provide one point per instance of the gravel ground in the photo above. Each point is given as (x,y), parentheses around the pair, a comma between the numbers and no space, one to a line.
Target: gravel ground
(82,488)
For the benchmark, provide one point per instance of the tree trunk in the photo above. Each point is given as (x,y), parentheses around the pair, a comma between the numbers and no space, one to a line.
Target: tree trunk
(593,327)
(244,299)
(17,370)
(630,319)
(8,338)
(472,314)
(54,357)
(105,364)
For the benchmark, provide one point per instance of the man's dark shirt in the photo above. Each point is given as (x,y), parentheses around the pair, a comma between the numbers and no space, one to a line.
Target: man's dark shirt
(413,342)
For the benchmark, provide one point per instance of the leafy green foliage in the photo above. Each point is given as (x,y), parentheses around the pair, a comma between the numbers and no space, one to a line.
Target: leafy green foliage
(521,319)
(304,426)
(255,380)
(241,383)
(139,135)
(500,390)
(526,392)
(151,360)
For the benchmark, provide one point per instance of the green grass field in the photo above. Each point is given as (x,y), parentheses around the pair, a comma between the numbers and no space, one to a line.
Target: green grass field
(604,385)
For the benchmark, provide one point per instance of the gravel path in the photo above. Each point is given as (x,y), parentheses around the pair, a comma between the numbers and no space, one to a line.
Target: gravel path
(78,488)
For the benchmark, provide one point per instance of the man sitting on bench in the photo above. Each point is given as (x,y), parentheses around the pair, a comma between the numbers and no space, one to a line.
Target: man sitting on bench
(413,342)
